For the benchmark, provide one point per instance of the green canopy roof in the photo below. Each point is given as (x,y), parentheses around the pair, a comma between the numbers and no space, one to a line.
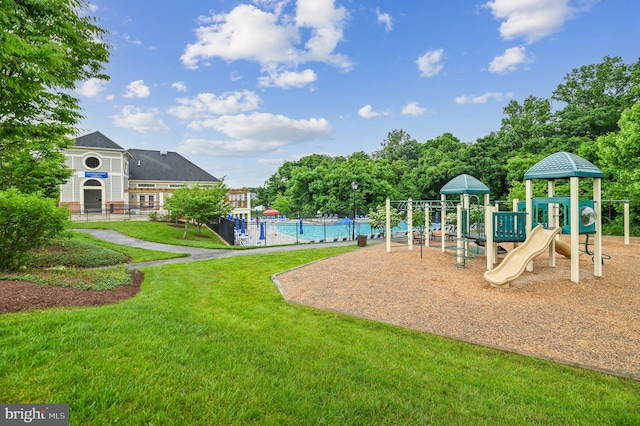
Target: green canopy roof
(563,165)
(465,184)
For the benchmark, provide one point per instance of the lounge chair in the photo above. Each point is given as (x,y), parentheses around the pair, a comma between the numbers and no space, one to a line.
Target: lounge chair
(417,237)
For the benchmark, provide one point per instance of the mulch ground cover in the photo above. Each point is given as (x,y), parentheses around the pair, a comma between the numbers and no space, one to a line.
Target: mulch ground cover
(21,295)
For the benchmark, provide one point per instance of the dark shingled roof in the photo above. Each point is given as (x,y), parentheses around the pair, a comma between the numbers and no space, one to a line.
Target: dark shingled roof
(167,166)
(97,140)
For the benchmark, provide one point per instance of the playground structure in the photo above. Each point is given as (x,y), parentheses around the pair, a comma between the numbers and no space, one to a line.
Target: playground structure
(516,261)
(568,214)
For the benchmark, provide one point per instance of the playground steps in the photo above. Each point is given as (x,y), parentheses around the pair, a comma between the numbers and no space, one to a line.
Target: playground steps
(461,253)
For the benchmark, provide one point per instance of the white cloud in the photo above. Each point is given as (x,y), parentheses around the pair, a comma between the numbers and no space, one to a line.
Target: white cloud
(207,105)
(91,88)
(430,63)
(412,108)
(288,79)
(531,19)
(510,60)
(136,119)
(244,33)
(270,127)
(179,86)
(483,99)
(136,42)
(271,161)
(255,134)
(137,89)
(384,19)
(367,112)
(326,22)
(274,39)
(88,9)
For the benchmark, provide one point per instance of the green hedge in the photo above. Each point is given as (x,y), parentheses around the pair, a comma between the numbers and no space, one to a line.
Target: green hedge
(75,253)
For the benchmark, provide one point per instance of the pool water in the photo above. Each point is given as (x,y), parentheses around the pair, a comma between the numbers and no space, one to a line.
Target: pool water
(328,231)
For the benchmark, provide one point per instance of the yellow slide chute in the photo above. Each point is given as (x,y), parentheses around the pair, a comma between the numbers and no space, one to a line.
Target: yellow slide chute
(516,261)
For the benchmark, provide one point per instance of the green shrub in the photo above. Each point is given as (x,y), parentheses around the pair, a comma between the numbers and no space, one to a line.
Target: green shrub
(75,253)
(82,279)
(27,221)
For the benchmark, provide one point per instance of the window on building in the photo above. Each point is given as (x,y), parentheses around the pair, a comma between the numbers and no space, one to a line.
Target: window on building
(92,162)
(150,199)
(146,185)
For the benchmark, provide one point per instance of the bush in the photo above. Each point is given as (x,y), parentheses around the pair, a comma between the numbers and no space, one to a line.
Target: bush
(82,279)
(27,221)
(74,253)
(378,218)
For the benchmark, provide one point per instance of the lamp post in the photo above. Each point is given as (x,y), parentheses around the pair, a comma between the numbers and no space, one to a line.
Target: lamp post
(354,185)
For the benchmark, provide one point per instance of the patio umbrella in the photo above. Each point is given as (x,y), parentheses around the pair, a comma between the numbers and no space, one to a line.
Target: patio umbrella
(237,223)
(262,231)
(301,231)
(242,229)
(271,212)
(345,221)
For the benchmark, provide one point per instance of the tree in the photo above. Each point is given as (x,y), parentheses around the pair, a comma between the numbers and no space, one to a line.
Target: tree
(199,204)
(595,96)
(46,48)
(619,153)
(522,124)
(282,204)
(399,146)
(378,218)
(443,158)
(276,184)
(488,163)
(27,221)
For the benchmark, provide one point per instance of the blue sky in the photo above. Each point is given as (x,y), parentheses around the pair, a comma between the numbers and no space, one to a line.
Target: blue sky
(239,87)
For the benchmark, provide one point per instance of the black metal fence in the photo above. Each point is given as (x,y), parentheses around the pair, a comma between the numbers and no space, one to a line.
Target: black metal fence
(116,211)
(225,229)
(263,231)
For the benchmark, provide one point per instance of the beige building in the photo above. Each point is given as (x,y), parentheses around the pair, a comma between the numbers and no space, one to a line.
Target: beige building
(110,179)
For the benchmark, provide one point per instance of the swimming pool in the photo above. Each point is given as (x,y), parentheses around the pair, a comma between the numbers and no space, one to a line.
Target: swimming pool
(328,231)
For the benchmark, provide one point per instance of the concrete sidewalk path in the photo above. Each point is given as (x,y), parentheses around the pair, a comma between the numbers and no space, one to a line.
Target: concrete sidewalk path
(195,253)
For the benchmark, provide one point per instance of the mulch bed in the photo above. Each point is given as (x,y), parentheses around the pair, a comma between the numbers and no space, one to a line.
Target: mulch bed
(594,323)
(21,295)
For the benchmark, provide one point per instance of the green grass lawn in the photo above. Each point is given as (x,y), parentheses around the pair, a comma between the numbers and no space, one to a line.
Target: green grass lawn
(213,343)
(135,255)
(160,232)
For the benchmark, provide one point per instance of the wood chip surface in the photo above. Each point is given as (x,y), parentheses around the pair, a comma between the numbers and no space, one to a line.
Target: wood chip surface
(594,323)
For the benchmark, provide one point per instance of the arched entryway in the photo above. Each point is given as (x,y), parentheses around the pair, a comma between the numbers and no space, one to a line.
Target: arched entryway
(92,191)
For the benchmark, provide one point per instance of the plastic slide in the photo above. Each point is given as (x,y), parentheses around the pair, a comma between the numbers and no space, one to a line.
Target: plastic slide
(563,249)
(515,262)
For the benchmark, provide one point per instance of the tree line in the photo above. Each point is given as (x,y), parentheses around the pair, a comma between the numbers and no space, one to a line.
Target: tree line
(594,113)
